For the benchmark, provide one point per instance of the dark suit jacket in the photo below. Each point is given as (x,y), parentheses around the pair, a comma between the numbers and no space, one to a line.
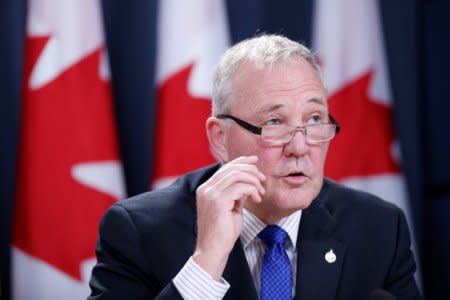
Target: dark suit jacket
(145,241)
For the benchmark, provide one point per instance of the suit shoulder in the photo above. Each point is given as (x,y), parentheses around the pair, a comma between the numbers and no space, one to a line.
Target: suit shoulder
(361,214)
(339,196)
(179,196)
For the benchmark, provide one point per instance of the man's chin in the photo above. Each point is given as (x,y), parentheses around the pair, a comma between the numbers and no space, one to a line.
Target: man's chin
(277,206)
(296,199)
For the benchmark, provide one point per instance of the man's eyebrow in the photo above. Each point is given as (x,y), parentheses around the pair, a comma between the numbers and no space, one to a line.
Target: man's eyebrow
(319,101)
(270,109)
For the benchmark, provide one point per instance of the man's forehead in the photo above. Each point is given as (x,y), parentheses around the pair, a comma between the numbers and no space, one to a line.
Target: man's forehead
(287,85)
(273,107)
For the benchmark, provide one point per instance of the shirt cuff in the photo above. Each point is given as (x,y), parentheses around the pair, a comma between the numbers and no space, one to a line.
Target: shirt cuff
(194,283)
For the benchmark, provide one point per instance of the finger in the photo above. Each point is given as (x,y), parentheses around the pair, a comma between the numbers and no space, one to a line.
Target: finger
(249,171)
(239,205)
(252,169)
(243,162)
(229,176)
(244,167)
(239,193)
(251,159)
(237,176)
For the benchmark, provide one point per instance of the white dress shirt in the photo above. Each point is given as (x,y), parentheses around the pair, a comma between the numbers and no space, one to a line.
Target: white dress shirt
(193,283)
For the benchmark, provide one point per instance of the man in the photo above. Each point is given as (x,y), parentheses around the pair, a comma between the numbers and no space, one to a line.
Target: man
(264,223)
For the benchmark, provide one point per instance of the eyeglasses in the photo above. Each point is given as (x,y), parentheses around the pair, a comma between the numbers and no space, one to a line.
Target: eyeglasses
(282,134)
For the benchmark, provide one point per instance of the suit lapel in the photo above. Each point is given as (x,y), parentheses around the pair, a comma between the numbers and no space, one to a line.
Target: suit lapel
(238,275)
(320,254)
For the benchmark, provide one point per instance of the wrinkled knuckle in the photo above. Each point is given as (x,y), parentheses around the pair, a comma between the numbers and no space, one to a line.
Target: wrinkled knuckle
(214,195)
(200,190)
(232,173)
(235,174)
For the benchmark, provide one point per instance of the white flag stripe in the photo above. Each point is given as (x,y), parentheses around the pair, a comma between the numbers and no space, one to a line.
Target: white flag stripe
(35,279)
(347,36)
(191,32)
(102,176)
(75,28)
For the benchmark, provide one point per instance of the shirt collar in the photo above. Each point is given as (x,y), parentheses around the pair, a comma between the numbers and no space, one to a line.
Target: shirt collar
(252,226)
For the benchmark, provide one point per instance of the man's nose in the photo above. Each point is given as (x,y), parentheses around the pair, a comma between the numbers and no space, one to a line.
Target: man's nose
(298,145)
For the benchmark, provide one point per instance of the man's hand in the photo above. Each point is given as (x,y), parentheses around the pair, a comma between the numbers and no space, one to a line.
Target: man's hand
(219,211)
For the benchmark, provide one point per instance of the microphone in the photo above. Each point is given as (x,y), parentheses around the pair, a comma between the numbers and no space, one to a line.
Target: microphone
(380,294)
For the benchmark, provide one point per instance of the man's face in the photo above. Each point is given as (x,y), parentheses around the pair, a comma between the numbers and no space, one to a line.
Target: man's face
(289,92)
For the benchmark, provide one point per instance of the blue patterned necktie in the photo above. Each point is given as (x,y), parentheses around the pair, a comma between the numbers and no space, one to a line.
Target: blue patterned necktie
(276,269)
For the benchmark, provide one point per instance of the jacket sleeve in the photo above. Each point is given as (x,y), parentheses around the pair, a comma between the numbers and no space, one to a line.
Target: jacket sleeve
(122,269)
(400,281)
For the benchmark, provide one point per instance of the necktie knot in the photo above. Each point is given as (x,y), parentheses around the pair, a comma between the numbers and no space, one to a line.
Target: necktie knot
(272,235)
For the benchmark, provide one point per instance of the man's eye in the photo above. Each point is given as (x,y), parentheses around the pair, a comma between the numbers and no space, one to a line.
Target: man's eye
(315,119)
(273,121)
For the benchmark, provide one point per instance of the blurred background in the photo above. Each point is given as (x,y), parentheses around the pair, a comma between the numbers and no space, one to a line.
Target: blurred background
(100,100)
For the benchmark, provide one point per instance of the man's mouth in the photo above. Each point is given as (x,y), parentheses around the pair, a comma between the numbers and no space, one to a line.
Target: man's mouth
(295,174)
(295,178)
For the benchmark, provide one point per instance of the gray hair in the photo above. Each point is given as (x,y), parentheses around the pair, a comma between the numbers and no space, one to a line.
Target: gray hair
(261,51)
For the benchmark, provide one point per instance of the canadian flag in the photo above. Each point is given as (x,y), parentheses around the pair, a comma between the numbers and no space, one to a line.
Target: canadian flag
(192,36)
(69,170)
(348,40)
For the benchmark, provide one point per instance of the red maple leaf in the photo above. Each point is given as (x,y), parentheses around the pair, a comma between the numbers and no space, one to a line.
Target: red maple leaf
(364,145)
(65,122)
(181,142)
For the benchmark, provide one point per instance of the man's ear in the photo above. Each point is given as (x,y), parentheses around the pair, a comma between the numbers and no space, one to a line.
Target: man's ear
(216,131)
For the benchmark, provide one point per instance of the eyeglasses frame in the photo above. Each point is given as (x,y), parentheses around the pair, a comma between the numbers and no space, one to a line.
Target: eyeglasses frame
(258,130)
